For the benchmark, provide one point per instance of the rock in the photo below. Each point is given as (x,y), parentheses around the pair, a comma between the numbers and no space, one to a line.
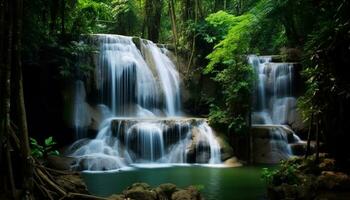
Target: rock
(291,54)
(198,150)
(299,149)
(327,164)
(295,121)
(166,190)
(333,180)
(72,183)
(232,162)
(140,191)
(116,197)
(225,148)
(190,193)
(60,162)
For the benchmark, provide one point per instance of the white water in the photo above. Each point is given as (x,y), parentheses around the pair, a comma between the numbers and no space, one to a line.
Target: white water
(81,115)
(274,100)
(140,97)
(168,75)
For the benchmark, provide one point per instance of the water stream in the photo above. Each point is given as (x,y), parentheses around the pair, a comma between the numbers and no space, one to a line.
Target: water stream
(274,103)
(139,91)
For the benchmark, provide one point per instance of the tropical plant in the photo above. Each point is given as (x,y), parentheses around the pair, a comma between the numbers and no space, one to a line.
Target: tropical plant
(42,151)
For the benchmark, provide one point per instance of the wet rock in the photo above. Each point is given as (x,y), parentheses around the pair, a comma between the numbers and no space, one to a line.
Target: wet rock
(197,150)
(190,193)
(333,180)
(225,148)
(140,191)
(166,190)
(72,183)
(327,164)
(116,197)
(232,162)
(299,149)
(60,162)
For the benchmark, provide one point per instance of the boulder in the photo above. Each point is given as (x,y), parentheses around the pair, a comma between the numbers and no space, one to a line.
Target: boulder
(225,148)
(165,191)
(72,183)
(232,162)
(60,162)
(116,197)
(140,191)
(327,164)
(333,180)
(191,193)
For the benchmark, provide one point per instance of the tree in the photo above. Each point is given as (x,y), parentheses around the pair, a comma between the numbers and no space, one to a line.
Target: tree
(152,18)
(12,101)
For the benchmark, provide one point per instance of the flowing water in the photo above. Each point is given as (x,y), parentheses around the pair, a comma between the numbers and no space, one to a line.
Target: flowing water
(139,92)
(274,103)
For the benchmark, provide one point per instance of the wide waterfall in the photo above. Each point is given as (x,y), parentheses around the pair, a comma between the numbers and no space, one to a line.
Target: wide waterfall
(142,121)
(274,103)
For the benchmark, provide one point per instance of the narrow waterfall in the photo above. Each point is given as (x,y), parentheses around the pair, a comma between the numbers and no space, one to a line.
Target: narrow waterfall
(139,91)
(274,103)
(168,75)
(81,115)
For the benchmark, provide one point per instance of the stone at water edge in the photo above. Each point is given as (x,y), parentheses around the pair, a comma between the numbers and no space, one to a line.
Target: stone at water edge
(60,162)
(166,190)
(225,148)
(232,162)
(169,191)
(191,193)
(140,191)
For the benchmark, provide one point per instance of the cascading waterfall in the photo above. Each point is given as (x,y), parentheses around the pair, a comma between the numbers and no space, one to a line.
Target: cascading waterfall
(140,96)
(274,102)
(168,75)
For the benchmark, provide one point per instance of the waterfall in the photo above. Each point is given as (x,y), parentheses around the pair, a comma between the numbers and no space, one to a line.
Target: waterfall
(274,102)
(168,75)
(139,94)
(81,115)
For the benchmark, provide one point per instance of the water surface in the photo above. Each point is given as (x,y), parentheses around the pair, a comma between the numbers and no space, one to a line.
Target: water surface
(242,183)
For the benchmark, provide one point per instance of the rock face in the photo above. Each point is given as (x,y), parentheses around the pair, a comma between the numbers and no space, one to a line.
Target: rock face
(271,144)
(167,191)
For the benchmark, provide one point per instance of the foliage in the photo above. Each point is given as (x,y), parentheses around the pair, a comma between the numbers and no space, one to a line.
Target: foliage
(71,62)
(286,173)
(199,187)
(327,93)
(229,67)
(42,151)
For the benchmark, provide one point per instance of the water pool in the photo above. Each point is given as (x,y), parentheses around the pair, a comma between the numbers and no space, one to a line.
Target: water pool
(241,183)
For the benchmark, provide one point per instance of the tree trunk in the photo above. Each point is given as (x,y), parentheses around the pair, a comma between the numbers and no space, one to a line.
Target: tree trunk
(173,21)
(18,95)
(153,11)
(317,142)
(307,153)
(5,95)
(63,7)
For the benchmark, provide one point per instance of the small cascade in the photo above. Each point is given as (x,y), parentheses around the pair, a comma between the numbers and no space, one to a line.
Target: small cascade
(168,75)
(142,122)
(81,114)
(127,85)
(274,104)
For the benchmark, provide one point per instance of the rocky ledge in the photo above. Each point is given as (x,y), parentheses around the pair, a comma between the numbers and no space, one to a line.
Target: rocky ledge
(300,178)
(168,191)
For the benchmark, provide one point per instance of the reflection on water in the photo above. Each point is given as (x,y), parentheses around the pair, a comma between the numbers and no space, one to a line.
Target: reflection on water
(243,183)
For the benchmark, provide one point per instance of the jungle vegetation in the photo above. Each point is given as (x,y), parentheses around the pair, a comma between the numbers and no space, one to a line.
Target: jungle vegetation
(215,36)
